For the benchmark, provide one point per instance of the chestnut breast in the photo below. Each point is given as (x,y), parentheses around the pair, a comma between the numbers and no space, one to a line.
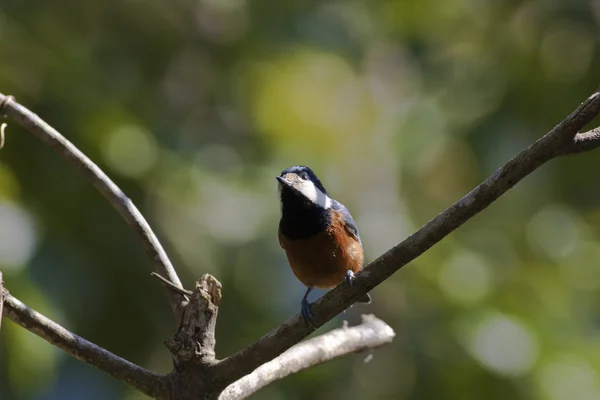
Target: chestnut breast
(322,260)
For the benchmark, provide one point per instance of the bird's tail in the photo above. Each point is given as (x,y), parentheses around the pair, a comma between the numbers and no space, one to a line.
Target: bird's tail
(365,299)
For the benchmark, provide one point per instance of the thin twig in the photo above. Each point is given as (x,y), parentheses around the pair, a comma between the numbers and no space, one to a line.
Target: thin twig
(371,334)
(147,382)
(171,285)
(2,134)
(154,250)
(551,145)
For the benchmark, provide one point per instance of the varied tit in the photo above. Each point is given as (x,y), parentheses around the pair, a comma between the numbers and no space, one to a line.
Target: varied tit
(318,234)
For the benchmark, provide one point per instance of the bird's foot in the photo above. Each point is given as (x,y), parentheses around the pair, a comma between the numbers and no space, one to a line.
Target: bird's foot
(306,312)
(349,278)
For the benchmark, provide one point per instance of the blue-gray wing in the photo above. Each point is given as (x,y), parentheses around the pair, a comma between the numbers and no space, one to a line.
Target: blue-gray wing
(349,223)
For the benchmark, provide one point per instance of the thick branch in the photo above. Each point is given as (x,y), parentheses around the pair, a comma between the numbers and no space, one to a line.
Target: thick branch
(149,383)
(34,124)
(371,334)
(551,145)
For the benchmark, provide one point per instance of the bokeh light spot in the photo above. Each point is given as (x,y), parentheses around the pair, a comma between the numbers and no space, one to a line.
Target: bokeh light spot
(577,269)
(466,278)
(223,210)
(18,236)
(568,377)
(563,44)
(130,150)
(309,97)
(554,232)
(504,345)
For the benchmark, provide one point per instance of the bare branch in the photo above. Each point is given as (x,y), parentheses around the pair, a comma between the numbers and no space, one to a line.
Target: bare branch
(371,334)
(549,146)
(147,382)
(171,285)
(34,124)
(197,373)
(584,142)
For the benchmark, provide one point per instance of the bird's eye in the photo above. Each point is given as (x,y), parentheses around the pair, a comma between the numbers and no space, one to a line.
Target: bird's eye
(303,176)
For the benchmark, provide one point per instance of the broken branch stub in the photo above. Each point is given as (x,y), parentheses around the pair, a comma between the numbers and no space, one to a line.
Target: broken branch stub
(194,340)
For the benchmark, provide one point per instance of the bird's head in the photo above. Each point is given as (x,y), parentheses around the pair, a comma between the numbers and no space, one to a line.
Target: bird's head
(301,181)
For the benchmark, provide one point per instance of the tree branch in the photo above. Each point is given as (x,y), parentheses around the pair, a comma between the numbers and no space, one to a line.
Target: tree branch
(584,142)
(370,334)
(193,344)
(197,373)
(147,382)
(154,250)
(553,144)
(172,286)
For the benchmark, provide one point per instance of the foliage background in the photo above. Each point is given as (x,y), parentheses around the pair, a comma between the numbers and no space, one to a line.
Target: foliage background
(401,106)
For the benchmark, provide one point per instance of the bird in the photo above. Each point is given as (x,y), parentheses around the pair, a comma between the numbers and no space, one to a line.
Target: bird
(318,234)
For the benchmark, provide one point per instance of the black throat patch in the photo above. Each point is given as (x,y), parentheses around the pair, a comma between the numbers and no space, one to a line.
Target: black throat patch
(300,217)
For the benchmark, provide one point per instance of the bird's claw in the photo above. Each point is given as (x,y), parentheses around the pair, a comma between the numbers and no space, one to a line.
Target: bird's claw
(306,312)
(349,278)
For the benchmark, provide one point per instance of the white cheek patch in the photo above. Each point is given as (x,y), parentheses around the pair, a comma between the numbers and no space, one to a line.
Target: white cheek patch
(311,192)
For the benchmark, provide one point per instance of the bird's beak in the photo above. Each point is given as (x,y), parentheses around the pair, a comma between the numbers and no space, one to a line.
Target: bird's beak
(283,181)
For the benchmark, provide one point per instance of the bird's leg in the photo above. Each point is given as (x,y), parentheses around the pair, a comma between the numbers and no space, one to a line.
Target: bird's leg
(305,309)
(349,278)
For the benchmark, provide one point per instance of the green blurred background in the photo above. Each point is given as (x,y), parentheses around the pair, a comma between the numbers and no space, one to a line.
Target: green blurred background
(401,106)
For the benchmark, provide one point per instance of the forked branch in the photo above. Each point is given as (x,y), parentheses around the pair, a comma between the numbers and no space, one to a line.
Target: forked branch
(371,334)
(584,142)
(115,196)
(193,343)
